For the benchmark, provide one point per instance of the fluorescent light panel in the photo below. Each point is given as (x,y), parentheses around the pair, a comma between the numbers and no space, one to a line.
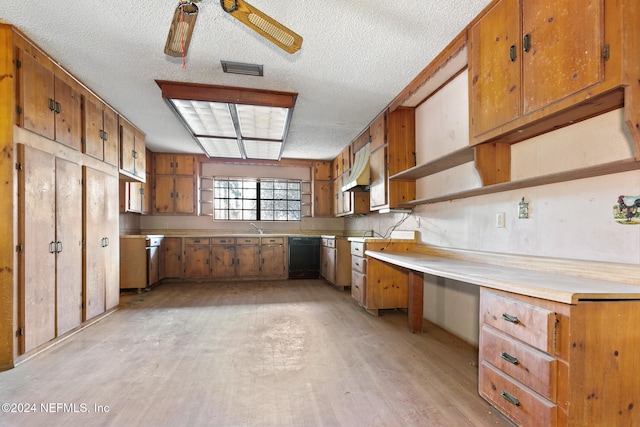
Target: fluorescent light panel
(233,122)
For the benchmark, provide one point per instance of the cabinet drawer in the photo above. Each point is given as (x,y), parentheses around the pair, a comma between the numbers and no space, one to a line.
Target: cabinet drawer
(196,241)
(330,243)
(357,248)
(273,240)
(223,240)
(246,241)
(358,283)
(358,264)
(513,399)
(533,368)
(528,323)
(153,241)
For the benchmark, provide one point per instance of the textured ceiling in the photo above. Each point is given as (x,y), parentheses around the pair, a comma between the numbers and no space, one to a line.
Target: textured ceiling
(356,57)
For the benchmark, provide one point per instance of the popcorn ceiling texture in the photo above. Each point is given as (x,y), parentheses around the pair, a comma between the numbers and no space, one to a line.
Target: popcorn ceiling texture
(355,58)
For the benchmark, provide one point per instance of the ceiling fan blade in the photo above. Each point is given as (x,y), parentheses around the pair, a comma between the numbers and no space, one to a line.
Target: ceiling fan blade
(182,24)
(263,24)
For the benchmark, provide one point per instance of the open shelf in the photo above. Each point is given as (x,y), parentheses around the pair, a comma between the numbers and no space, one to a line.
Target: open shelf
(587,172)
(456,158)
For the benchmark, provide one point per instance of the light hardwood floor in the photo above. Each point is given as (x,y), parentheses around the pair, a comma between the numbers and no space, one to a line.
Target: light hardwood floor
(279,353)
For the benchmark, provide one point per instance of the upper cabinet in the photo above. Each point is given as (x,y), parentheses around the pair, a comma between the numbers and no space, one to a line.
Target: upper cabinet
(174,184)
(101,136)
(392,151)
(132,151)
(536,65)
(48,101)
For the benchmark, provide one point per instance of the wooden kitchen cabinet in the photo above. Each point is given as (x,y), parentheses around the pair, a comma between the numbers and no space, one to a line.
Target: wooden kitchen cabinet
(273,258)
(140,260)
(537,65)
(101,236)
(247,257)
(132,151)
(174,184)
(322,189)
(174,194)
(376,285)
(223,257)
(197,258)
(397,155)
(544,363)
(49,101)
(171,258)
(174,164)
(50,195)
(335,261)
(100,135)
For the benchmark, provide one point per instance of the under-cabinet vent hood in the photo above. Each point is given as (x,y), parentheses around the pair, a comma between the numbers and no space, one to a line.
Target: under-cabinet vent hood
(360,177)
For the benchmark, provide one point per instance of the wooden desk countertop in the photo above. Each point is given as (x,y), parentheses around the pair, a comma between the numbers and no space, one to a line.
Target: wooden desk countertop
(541,284)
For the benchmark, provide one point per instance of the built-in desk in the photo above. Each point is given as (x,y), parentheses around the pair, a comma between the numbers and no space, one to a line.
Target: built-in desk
(554,349)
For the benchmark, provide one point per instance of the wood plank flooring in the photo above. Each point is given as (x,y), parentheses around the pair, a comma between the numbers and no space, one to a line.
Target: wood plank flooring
(278,353)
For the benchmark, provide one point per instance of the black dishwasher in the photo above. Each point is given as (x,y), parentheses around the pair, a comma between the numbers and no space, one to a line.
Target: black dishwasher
(304,257)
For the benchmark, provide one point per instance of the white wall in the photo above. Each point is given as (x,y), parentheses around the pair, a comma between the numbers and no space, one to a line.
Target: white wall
(567,220)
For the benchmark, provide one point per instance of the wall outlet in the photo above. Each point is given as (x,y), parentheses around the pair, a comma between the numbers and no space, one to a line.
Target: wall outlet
(500,220)
(166,226)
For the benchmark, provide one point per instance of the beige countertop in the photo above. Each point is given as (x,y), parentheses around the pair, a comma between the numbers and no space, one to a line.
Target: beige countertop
(541,284)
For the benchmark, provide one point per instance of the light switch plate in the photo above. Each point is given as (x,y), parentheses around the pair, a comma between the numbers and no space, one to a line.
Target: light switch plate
(500,220)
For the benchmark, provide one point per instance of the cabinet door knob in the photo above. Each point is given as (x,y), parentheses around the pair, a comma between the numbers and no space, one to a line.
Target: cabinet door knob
(510,398)
(513,55)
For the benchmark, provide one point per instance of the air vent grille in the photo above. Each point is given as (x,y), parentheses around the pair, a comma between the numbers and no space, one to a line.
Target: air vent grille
(241,68)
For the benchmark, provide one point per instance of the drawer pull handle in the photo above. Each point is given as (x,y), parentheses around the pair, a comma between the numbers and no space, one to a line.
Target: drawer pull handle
(510,318)
(510,398)
(509,358)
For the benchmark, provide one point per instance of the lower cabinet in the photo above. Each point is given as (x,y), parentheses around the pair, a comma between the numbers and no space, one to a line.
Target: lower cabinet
(139,261)
(377,285)
(171,258)
(234,258)
(273,258)
(197,258)
(544,363)
(335,261)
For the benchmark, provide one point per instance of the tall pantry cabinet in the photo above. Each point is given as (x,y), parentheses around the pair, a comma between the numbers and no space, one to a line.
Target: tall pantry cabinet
(59,145)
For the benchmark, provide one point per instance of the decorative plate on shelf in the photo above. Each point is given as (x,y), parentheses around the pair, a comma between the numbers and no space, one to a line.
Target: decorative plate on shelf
(626,210)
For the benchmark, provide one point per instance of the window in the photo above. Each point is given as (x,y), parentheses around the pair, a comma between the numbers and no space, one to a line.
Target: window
(251,199)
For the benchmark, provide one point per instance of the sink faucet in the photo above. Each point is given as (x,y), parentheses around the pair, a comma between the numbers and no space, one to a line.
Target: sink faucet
(257,228)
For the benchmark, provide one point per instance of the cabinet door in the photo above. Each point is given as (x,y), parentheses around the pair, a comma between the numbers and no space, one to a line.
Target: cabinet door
(163,164)
(101,237)
(196,261)
(322,171)
(68,114)
(37,287)
(378,131)
(273,261)
(69,246)
(153,265)
(184,165)
(247,260)
(184,194)
(110,136)
(495,92)
(163,194)
(37,96)
(139,154)
(564,57)
(127,148)
(322,198)
(223,261)
(378,170)
(171,259)
(134,196)
(93,141)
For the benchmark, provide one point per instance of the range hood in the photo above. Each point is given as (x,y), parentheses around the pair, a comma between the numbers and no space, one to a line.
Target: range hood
(360,177)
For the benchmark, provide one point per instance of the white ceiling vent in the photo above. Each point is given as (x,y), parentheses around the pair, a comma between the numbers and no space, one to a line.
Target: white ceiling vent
(241,68)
